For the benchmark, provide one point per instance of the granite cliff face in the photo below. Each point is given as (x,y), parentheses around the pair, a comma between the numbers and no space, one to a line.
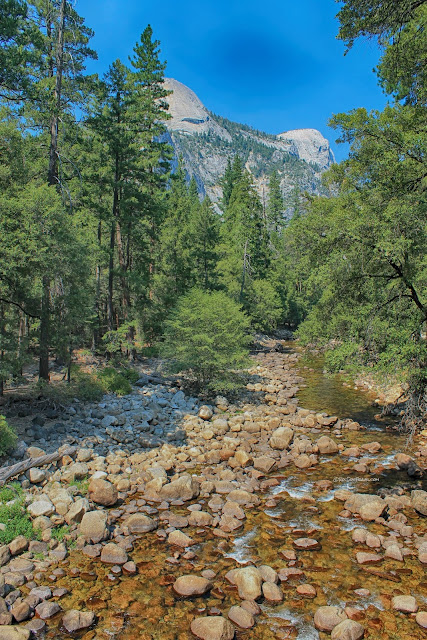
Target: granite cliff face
(205,141)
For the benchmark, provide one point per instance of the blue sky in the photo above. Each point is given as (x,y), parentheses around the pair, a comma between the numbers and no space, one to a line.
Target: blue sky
(272,64)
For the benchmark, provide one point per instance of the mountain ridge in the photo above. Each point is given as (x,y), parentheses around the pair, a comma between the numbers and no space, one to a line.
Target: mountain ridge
(205,141)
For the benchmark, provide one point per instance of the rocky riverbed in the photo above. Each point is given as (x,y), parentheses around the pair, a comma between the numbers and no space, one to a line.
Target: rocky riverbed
(259,519)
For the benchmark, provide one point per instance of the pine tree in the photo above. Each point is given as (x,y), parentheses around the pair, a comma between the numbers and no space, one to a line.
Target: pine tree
(174,275)
(244,240)
(233,173)
(204,232)
(275,208)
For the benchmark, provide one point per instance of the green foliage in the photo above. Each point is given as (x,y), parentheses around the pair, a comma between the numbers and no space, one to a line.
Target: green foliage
(60,533)
(8,437)
(265,306)
(206,337)
(361,255)
(114,382)
(82,485)
(122,341)
(343,356)
(10,492)
(400,27)
(130,374)
(17,521)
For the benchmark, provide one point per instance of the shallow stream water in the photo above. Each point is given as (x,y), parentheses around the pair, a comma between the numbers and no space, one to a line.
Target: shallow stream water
(145,607)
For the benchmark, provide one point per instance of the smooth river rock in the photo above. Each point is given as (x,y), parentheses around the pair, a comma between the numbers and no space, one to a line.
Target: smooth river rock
(212,628)
(348,630)
(191,585)
(326,618)
(75,620)
(102,492)
(113,554)
(249,583)
(8,632)
(240,616)
(406,604)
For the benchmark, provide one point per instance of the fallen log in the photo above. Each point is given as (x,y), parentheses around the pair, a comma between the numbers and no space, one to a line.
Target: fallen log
(9,472)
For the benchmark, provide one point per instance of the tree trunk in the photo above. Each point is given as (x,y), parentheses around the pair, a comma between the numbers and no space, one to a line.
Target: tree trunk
(52,180)
(97,328)
(245,257)
(111,275)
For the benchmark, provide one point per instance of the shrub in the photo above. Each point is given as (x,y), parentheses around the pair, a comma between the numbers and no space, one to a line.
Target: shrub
(130,374)
(206,337)
(114,382)
(8,437)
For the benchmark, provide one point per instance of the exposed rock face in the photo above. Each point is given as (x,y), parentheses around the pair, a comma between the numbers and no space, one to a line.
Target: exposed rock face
(311,146)
(205,142)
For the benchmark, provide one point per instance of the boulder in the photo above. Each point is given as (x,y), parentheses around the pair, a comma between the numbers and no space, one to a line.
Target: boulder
(21,611)
(8,632)
(240,616)
(249,582)
(76,620)
(180,539)
(139,523)
(205,412)
(406,604)
(328,617)
(46,610)
(93,526)
(369,506)
(191,585)
(36,475)
(18,545)
(348,630)
(200,519)
(326,445)
(306,590)
(419,501)
(212,628)
(307,544)
(281,438)
(184,488)
(264,463)
(113,554)
(41,508)
(367,558)
(421,619)
(4,555)
(271,592)
(103,492)
(77,511)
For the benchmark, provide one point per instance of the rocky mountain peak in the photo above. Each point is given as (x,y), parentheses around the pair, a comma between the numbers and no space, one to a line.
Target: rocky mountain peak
(312,146)
(205,142)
